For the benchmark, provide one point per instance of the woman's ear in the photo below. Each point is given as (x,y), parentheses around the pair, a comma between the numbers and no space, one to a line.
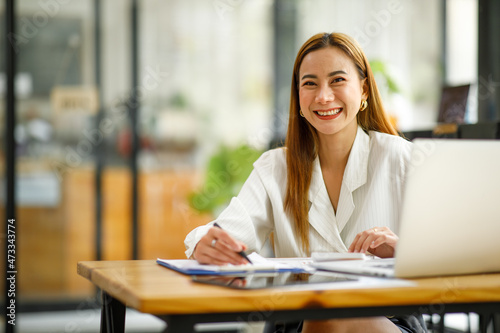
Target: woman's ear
(364,88)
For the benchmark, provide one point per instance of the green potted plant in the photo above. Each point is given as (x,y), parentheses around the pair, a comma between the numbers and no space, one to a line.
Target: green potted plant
(226,172)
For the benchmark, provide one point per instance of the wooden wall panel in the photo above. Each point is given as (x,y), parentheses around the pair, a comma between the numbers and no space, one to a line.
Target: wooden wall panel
(79,217)
(53,240)
(39,252)
(165,215)
(117,212)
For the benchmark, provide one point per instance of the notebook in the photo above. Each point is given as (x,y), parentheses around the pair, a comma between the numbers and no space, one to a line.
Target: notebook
(450,220)
(260,265)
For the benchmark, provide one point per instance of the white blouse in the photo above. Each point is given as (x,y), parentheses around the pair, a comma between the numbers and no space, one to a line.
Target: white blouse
(370,196)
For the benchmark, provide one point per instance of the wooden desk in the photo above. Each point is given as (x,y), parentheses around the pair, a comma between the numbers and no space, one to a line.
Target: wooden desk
(151,288)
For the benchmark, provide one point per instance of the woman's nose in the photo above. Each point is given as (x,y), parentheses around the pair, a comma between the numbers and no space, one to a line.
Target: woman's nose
(325,95)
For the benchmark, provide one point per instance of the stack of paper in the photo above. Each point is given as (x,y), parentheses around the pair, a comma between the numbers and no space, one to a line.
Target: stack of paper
(260,264)
(334,256)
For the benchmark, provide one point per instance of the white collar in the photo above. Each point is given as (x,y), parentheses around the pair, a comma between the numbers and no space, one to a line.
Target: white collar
(356,171)
(321,214)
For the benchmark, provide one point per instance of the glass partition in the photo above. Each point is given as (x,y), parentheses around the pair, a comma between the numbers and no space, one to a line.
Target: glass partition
(56,103)
(199,90)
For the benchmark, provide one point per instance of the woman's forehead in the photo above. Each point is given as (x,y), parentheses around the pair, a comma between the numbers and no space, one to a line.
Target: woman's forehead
(326,60)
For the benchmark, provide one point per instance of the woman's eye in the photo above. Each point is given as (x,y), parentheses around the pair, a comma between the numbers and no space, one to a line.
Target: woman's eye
(308,83)
(338,79)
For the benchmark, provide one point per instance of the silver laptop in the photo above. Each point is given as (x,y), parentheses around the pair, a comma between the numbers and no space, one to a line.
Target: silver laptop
(450,221)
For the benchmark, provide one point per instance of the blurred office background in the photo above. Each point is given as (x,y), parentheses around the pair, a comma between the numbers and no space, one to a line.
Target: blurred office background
(196,79)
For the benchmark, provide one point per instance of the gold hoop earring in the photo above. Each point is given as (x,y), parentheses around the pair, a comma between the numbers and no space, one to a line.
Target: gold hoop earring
(302,114)
(364,105)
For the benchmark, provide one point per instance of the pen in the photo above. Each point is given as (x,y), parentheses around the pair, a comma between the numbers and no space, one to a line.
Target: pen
(241,253)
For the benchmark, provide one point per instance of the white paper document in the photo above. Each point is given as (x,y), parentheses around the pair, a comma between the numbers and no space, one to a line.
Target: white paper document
(260,264)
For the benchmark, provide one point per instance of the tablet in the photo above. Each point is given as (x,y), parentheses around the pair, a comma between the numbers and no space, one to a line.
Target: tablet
(271,280)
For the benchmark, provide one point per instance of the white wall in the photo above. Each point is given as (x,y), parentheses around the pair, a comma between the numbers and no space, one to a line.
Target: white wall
(403,34)
(218,55)
(462,49)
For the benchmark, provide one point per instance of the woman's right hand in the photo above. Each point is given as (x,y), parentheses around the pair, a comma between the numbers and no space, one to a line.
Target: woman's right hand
(217,247)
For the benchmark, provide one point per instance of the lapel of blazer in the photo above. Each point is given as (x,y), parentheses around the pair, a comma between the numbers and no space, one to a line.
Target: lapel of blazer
(355,175)
(321,214)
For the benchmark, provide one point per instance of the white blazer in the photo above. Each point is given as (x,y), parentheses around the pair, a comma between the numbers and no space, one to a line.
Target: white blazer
(370,196)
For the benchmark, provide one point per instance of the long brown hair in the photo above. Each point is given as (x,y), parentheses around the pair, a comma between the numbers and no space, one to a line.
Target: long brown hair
(302,139)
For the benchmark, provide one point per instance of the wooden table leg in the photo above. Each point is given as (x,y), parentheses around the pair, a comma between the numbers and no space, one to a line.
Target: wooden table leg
(496,322)
(112,315)
(490,320)
(176,324)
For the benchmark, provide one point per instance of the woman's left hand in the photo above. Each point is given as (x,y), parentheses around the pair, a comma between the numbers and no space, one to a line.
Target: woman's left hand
(379,241)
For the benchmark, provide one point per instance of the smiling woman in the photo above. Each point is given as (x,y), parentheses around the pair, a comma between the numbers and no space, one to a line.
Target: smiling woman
(331,71)
(339,177)
(335,92)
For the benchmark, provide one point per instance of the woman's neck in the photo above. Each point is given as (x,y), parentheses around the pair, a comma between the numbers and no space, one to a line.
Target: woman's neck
(334,150)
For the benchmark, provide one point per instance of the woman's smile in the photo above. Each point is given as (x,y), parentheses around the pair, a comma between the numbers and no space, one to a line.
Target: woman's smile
(328,114)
